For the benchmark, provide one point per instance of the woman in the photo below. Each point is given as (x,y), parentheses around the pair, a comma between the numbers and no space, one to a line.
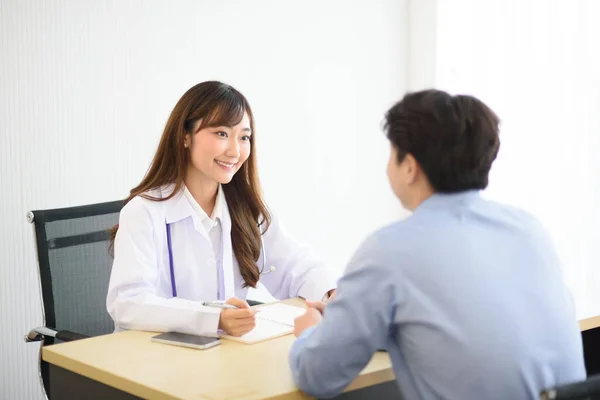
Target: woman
(191,231)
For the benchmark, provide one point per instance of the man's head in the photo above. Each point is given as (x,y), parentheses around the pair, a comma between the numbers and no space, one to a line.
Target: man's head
(439,143)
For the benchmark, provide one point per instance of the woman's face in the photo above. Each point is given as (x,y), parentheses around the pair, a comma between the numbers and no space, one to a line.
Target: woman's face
(217,153)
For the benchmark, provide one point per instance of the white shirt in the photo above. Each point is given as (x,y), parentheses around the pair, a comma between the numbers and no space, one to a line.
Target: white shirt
(213,230)
(140,292)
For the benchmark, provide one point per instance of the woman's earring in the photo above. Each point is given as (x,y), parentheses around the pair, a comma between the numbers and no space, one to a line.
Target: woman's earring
(185,145)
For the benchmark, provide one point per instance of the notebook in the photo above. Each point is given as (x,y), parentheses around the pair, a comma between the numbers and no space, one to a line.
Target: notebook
(272,321)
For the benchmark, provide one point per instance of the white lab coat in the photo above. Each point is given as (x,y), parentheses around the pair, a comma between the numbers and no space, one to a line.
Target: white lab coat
(140,292)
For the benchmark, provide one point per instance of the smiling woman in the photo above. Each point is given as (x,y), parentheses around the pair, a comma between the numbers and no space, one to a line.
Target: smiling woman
(195,136)
(196,216)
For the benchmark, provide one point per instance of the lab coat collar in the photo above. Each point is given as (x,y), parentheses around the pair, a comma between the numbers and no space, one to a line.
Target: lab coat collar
(178,207)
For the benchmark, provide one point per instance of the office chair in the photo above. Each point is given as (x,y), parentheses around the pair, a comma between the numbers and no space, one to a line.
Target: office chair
(74,270)
(584,390)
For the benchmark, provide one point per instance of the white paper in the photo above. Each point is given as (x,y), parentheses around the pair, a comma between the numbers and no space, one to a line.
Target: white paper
(281,313)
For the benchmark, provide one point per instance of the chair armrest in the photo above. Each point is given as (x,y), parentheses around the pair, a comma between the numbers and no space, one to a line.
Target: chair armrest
(37,334)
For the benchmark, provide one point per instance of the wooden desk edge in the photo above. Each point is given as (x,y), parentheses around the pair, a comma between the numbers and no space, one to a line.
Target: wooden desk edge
(103,377)
(589,323)
(360,382)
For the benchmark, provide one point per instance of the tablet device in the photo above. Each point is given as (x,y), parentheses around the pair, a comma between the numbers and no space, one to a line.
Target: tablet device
(186,340)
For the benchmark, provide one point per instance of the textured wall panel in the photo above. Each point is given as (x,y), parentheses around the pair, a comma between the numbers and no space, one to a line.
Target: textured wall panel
(86,87)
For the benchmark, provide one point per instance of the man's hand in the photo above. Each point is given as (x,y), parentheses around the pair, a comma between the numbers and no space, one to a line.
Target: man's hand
(311,317)
(237,322)
(320,305)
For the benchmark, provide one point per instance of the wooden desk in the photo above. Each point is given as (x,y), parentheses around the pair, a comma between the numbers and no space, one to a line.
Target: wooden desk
(590,335)
(589,323)
(130,362)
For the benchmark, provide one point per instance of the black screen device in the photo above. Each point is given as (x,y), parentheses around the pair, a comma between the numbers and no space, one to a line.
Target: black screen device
(186,340)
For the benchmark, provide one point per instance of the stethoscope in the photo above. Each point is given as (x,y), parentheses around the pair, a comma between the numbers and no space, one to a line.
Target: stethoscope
(172,270)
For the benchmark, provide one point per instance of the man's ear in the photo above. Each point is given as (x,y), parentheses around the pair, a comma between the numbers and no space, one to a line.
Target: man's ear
(412,169)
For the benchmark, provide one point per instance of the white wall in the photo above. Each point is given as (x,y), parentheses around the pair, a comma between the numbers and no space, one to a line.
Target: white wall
(537,63)
(422,44)
(86,87)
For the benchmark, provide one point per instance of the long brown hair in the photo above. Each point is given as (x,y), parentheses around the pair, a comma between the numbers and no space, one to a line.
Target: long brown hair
(215,104)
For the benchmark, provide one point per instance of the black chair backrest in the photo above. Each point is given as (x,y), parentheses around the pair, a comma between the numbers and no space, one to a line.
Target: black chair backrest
(75,265)
(584,390)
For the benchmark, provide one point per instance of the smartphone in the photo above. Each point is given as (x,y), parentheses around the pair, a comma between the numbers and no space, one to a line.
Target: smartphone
(186,340)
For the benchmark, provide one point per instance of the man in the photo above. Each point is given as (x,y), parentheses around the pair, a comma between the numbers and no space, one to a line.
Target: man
(466,295)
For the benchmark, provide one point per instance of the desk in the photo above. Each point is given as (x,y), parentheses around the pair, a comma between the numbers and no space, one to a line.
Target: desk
(590,335)
(589,323)
(128,364)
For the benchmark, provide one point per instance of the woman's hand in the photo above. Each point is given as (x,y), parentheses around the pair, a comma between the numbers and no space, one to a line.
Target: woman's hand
(237,322)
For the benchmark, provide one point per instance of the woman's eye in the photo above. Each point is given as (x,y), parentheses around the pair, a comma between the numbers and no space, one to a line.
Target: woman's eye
(246,138)
(222,134)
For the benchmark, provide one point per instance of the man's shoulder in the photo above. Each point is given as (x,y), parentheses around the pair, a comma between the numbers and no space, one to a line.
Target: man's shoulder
(519,216)
(393,238)
(402,229)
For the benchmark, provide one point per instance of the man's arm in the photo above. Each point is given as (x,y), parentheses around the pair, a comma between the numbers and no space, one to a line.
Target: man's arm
(327,357)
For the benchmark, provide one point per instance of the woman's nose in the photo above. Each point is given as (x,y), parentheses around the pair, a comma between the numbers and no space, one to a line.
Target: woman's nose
(233,149)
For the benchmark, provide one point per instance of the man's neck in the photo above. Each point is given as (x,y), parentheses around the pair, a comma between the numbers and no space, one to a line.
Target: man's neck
(419,196)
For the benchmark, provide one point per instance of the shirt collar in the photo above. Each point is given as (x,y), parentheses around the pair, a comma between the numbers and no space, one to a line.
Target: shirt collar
(445,200)
(217,212)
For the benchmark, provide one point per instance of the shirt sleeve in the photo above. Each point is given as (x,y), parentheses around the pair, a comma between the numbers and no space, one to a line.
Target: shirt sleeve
(327,357)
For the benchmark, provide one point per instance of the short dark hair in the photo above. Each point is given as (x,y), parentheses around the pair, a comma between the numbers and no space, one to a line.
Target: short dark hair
(453,138)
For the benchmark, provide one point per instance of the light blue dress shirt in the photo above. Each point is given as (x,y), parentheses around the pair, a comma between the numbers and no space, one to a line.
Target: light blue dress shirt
(467,297)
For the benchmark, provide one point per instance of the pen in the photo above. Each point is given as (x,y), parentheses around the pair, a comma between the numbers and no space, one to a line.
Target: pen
(219,305)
